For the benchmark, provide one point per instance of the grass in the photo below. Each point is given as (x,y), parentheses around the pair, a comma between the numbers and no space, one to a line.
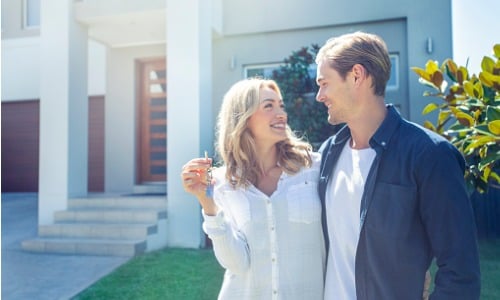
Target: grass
(164,274)
(489,255)
(490,269)
(195,274)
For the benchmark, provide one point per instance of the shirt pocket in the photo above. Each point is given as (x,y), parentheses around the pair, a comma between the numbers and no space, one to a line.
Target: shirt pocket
(303,203)
(392,209)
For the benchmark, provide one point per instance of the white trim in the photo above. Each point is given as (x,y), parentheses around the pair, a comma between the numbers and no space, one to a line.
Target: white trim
(20,59)
(138,44)
(21,42)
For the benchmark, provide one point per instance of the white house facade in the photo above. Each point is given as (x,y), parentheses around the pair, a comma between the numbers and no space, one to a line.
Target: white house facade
(124,92)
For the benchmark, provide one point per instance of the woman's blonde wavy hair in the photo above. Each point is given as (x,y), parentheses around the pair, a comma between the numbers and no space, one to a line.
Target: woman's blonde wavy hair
(236,145)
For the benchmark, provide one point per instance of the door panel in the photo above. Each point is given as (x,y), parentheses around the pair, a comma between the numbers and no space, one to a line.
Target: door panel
(20,143)
(152,121)
(96,144)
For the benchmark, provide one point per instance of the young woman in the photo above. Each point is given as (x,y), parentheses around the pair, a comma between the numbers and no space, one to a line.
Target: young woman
(264,216)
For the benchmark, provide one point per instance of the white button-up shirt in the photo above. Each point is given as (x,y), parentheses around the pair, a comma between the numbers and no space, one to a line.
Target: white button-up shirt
(271,247)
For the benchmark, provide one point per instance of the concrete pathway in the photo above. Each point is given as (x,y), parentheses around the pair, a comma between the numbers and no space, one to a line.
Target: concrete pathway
(30,276)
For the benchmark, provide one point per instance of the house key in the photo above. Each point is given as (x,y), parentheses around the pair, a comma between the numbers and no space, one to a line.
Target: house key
(209,192)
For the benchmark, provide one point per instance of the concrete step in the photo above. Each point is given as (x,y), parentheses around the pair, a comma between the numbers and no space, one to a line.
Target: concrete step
(98,230)
(86,246)
(150,202)
(123,225)
(131,216)
(150,188)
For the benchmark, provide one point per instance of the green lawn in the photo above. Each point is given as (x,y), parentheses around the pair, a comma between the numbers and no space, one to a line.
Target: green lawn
(490,269)
(195,274)
(164,274)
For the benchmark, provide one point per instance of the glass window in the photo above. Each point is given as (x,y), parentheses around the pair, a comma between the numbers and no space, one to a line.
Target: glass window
(262,70)
(31,14)
(266,70)
(393,83)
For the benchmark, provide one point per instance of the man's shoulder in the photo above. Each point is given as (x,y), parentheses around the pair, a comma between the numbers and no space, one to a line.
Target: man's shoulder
(422,140)
(420,134)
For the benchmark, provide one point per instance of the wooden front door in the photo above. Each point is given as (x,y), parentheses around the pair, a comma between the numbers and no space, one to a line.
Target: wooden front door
(152,131)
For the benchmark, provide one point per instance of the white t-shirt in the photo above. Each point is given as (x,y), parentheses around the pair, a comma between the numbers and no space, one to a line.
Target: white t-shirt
(272,247)
(343,200)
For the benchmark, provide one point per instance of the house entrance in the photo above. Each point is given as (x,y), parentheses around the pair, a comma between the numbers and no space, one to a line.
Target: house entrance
(152,129)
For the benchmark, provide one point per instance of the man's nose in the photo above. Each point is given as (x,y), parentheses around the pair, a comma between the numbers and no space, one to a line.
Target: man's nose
(319,96)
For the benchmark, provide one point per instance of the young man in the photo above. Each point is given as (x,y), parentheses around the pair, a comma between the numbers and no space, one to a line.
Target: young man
(393,193)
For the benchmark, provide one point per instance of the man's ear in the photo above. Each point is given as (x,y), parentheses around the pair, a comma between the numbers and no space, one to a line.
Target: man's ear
(358,72)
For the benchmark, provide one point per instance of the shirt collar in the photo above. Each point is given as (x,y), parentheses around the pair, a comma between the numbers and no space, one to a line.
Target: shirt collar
(382,136)
(342,135)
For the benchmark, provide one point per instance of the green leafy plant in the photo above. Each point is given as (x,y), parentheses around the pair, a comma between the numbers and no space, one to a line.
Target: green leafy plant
(297,80)
(468,114)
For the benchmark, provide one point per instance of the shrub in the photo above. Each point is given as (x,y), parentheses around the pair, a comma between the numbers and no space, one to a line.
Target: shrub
(297,80)
(468,114)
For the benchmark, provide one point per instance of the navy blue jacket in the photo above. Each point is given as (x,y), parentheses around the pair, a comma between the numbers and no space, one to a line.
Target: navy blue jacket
(414,207)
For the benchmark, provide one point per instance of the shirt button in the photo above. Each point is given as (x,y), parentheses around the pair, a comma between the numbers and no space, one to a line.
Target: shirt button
(275,292)
(383,144)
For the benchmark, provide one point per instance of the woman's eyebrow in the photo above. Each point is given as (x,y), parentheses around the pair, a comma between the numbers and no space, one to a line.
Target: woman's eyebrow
(271,100)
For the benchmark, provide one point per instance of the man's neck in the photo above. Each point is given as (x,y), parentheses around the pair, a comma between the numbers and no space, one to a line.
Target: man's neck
(366,124)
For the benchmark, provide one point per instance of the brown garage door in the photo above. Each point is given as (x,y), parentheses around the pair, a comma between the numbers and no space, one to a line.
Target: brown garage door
(20,131)
(20,137)
(96,144)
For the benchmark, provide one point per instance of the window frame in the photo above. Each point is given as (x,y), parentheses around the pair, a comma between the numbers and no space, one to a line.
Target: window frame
(393,86)
(26,17)
(269,66)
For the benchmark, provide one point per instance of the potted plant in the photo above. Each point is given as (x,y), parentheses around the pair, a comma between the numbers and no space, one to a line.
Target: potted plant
(297,81)
(468,114)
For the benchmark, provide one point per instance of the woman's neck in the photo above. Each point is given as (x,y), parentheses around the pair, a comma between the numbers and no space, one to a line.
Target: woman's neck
(267,160)
(269,172)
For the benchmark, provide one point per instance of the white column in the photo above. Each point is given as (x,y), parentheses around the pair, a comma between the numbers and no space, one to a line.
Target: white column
(63,109)
(189,113)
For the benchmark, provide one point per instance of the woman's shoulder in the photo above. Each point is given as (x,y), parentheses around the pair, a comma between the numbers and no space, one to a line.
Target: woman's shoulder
(219,174)
(316,160)
(311,171)
(221,182)
(316,156)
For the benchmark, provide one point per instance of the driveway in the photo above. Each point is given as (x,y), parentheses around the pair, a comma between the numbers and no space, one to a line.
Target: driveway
(27,275)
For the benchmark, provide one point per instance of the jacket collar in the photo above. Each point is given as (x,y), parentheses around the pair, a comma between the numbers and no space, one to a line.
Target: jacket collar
(380,140)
